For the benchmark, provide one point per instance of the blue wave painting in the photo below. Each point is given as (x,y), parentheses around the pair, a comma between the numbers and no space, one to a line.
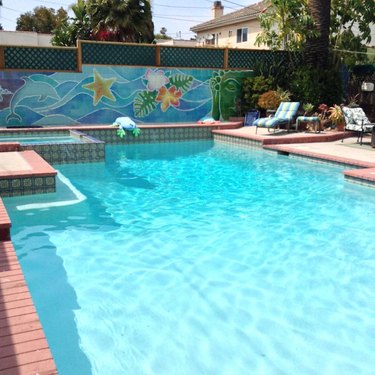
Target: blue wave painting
(99,95)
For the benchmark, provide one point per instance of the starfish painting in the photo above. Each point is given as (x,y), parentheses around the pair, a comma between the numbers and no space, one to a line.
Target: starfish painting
(101,88)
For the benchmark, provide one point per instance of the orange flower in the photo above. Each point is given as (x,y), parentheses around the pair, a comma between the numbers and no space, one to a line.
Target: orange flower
(168,97)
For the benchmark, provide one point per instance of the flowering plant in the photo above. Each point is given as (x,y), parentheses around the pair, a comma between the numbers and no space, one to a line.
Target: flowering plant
(335,114)
(323,111)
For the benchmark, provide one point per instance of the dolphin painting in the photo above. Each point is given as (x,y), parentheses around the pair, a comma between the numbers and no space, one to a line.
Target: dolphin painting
(30,89)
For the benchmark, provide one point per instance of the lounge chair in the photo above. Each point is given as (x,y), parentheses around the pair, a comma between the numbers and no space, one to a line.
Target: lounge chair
(357,121)
(285,114)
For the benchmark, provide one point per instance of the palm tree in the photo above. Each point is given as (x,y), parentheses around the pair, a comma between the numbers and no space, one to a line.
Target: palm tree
(122,20)
(317,47)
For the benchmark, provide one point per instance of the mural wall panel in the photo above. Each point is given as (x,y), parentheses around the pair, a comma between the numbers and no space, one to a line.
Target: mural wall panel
(100,94)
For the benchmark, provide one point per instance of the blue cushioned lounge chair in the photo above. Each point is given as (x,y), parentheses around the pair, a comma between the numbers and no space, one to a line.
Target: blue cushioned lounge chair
(285,114)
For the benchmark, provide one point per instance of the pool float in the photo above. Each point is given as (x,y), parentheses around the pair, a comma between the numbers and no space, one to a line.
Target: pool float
(126,124)
(208,120)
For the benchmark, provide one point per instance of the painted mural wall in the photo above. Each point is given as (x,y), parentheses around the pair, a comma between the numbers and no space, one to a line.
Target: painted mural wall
(100,94)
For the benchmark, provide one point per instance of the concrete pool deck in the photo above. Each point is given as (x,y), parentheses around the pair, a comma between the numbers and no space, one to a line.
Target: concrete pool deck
(23,346)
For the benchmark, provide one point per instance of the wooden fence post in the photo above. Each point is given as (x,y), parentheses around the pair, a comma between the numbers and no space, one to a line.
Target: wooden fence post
(226,58)
(157,55)
(2,58)
(79,55)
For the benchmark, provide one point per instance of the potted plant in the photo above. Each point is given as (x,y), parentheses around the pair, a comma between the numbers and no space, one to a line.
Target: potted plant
(305,124)
(308,109)
(337,117)
(323,114)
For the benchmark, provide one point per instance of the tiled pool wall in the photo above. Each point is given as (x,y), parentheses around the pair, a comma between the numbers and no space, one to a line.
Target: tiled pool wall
(14,186)
(86,150)
(238,141)
(90,146)
(153,134)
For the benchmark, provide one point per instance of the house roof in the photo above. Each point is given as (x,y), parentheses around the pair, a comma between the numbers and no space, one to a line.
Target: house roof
(245,14)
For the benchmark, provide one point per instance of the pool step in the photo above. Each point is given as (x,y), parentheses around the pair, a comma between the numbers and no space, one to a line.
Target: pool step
(24,173)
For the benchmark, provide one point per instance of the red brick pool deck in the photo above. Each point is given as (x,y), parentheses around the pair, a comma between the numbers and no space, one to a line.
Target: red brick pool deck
(23,346)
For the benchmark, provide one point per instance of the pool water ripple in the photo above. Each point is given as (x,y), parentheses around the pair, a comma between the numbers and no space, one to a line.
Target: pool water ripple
(217,261)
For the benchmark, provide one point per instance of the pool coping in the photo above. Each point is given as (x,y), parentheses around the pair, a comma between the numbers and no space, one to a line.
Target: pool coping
(39,167)
(24,348)
(220,126)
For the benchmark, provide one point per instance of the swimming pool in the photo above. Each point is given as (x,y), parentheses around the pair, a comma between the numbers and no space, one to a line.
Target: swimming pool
(202,258)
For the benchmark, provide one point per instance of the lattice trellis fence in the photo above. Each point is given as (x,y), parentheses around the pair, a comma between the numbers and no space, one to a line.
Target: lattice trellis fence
(101,53)
(39,58)
(118,54)
(192,57)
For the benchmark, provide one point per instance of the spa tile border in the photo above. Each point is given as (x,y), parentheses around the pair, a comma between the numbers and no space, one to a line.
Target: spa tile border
(41,178)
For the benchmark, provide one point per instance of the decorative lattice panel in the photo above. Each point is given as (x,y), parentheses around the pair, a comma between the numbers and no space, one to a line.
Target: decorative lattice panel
(118,54)
(248,59)
(39,58)
(192,57)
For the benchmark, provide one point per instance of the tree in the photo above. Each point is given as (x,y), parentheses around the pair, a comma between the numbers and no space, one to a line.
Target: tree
(350,28)
(162,34)
(122,20)
(317,46)
(77,27)
(317,26)
(41,20)
(285,24)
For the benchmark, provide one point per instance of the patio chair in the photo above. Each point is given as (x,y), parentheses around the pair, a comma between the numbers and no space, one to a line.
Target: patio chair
(285,114)
(357,121)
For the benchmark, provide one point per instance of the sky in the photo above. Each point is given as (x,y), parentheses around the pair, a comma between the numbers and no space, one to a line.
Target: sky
(177,16)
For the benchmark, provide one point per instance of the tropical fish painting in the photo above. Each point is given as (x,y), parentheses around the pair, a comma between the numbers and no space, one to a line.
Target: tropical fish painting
(100,94)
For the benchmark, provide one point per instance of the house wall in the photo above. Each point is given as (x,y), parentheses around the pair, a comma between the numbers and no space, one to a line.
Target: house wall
(226,40)
(100,94)
(24,38)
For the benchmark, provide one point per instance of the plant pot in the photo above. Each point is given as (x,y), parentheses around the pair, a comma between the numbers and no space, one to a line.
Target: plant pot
(340,127)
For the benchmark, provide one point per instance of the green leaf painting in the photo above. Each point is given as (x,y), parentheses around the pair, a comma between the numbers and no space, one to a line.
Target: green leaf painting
(181,81)
(144,103)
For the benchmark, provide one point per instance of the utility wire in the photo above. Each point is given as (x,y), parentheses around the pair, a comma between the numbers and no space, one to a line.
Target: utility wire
(346,50)
(176,6)
(174,15)
(51,2)
(231,2)
(13,10)
(209,1)
(178,19)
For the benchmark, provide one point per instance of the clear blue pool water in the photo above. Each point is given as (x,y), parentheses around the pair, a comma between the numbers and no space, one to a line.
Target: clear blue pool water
(42,139)
(203,258)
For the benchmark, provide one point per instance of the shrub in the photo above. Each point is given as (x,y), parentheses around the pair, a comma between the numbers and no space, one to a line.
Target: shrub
(269,100)
(252,88)
(317,86)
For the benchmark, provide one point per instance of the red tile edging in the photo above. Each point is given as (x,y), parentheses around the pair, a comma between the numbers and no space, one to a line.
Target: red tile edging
(5,223)
(23,346)
(39,167)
